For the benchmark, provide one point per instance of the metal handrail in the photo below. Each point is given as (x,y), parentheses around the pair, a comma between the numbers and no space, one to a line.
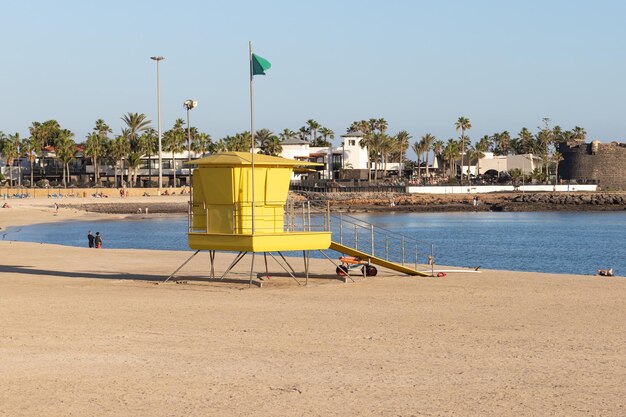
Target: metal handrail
(381,242)
(296,217)
(346,229)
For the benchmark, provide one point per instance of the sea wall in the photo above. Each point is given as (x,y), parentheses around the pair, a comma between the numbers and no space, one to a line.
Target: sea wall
(483,189)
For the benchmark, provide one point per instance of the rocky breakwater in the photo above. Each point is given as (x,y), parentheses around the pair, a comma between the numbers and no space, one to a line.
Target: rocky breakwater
(364,202)
(564,202)
(120,207)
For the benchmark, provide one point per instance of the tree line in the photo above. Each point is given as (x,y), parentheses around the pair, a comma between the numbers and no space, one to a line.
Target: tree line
(138,139)
(384,148)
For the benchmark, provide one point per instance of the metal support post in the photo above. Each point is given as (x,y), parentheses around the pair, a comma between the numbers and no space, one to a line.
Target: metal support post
(181,267)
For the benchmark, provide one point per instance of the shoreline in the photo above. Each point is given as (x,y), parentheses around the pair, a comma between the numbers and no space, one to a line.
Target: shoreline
(31,212)
(365,202)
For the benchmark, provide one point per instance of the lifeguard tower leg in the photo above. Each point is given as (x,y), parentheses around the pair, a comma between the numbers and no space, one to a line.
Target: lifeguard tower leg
(212,257)
(286,270)
(181,267)
(292,270)
(305,255)
(267,272)
(251,270)
(238,258)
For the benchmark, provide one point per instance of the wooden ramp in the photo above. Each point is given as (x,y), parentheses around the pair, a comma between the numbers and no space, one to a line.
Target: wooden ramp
(376,261)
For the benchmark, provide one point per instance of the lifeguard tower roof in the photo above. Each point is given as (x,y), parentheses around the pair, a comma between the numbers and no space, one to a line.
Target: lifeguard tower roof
(245,158)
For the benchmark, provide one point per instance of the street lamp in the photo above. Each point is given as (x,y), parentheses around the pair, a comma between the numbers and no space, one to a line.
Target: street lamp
(158,59)
(189,104)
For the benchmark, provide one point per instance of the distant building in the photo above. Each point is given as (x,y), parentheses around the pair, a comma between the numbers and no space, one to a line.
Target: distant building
(349,160)
(601,163)
(82,171)
(499,164)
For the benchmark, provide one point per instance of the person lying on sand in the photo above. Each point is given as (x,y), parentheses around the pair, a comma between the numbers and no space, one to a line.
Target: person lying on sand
(605,272)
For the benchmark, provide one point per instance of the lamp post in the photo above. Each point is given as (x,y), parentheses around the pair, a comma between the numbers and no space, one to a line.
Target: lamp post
(158,59)
(189,104)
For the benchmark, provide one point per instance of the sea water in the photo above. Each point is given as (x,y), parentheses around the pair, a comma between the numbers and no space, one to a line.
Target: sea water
(578,243)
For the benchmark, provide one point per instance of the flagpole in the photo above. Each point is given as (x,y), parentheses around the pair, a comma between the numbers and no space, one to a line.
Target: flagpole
(252,129)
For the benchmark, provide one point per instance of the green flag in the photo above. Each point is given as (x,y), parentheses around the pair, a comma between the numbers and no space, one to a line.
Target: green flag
(259,65)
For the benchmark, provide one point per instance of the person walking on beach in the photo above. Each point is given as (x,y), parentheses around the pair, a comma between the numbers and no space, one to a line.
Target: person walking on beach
(91,239)
(98,240)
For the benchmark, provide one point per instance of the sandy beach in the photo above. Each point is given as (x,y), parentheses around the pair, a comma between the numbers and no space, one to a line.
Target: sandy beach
(96,333)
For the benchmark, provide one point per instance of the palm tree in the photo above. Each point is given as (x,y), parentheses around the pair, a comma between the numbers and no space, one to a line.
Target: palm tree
(374,143)
(201,143)
(10,152)
(524,142)
(386,147)
(451,151)
(44,134)
(29,149)
(271,146)
(174,142)
(380,124)
(579,133)
(502,143)
(312,127)
(151,146)
(118,149)
(437,148)
(402,140)
(238,143)
(15,138)
(464,124)
(262,136)
(287,134)
(479,151)
(418,148)
(556,158)
(428,140)
(65,149)
(136,150)
(102,130)
(268,142)
(136,124)
(362,126)
(326,134)
(94,148)
(545,138)
(304,134)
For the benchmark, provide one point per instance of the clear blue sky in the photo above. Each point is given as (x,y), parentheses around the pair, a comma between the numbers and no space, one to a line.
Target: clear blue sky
(418,64)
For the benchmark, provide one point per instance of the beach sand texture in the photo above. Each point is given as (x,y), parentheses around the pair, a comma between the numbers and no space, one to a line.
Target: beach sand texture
(91,333)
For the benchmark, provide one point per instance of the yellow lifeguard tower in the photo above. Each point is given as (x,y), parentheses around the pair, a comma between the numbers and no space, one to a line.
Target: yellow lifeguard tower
(239,203)
(231,212)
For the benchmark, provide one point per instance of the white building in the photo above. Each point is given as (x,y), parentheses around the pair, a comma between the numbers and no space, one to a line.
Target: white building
(527,163)
(354,155)
(349,156)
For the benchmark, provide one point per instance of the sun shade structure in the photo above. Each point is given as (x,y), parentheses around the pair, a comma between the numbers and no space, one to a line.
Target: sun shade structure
(221,210)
